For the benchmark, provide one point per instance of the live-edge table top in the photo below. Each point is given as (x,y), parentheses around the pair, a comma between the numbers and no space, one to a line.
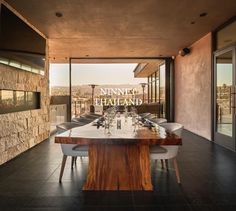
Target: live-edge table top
(89,134)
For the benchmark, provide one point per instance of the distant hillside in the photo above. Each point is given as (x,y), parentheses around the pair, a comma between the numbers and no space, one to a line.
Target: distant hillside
(86,89)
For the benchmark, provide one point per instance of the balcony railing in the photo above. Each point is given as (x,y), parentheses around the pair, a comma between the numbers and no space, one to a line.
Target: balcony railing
(58,114)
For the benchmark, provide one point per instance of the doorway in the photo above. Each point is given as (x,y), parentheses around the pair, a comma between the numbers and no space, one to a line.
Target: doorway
(225,97)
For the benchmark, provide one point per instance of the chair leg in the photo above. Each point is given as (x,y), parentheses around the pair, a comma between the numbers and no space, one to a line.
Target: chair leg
(62,167)
(176,170)
(162,164)
(72,162)
(167,166)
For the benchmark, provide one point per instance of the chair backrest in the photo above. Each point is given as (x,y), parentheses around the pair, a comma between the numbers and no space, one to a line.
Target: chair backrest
(176,128)
(82,119)
(173,127)
(144,115)
(67,149)
(158,120)
(67,126)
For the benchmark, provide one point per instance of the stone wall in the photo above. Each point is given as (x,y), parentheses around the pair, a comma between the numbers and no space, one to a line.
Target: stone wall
(20,131)
(193,88)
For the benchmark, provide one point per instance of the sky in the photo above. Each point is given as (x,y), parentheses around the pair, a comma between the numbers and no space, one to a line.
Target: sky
(83,74)
(224,74)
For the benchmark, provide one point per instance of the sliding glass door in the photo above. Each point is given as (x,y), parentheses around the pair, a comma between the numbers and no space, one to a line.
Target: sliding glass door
(224,97)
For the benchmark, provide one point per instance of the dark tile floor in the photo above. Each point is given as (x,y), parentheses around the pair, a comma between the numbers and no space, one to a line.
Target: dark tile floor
(208,173)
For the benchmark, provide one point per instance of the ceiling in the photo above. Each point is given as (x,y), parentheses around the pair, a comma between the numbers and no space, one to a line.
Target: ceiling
(121,28)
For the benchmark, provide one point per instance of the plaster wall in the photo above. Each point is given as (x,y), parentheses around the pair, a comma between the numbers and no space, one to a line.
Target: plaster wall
(193,88)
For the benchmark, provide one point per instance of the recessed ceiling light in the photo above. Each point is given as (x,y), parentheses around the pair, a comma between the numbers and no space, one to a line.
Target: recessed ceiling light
(59,14)
(203,14)
(193,22)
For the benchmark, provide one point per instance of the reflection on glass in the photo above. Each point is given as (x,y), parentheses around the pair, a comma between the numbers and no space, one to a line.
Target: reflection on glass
(14,101)
(224,70)
(6,99)
(20,98)
(29,98)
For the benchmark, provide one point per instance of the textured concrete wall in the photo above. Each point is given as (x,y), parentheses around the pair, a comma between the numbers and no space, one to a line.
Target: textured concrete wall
(193,88)
(20,131)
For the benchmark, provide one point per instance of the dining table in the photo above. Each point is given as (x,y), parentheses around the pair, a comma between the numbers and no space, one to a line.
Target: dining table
(119,157)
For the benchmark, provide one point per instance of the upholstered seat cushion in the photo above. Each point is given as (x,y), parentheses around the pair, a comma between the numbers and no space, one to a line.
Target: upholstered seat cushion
(80,148)
(157,149)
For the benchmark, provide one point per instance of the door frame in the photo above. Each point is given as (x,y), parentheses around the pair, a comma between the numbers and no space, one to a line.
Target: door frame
(221,139)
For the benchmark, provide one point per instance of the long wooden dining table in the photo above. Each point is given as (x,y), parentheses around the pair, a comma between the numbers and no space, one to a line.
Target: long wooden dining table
(118,159)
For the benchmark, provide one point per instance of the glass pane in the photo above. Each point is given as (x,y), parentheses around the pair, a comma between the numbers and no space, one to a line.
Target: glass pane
(224,72)
(157,86)
(153,91)
(20,98)
(59,79)
(162,88)
(226,36)
(6,99)
(15,101)
(150,91)
(29,98)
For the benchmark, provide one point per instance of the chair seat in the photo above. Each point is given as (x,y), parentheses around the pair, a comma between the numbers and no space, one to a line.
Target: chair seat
(80,148)
(157,149)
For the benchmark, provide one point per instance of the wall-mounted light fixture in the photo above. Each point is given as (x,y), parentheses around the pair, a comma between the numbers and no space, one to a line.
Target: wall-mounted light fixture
(184,51)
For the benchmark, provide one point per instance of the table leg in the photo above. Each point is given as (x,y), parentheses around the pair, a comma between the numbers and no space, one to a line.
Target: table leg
(118,167)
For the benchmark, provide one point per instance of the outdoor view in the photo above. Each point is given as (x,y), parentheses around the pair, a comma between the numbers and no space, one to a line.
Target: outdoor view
(100,85)
(224,96)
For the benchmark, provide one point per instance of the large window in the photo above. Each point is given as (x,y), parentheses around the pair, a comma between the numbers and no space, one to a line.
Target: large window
(153,81)
(163,88)
(96,85)
(156,87)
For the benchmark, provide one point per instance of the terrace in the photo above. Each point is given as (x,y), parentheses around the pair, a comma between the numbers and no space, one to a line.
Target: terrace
(63,63)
